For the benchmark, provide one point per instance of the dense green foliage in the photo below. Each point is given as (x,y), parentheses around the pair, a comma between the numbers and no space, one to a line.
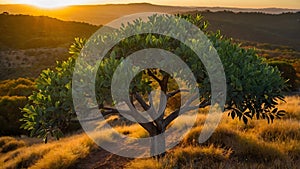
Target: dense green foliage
(13,97)
(253,87)
(51,108)
(288,73)
(22,31)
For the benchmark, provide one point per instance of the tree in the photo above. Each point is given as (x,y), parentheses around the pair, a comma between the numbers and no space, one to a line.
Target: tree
(253,87)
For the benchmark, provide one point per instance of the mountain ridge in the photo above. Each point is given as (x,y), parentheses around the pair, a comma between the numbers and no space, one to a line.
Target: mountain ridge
(103,14)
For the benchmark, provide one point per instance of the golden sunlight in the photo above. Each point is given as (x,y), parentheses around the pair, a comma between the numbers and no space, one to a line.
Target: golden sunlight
(50,4)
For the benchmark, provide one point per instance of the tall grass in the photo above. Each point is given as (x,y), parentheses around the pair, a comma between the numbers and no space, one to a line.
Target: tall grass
(257,145)
(61,154)
(237,145)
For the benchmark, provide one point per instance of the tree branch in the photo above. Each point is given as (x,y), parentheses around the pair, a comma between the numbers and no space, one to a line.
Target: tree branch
(164,83)
(107,111)
(150,73)
(150,127)
(140,99)
(186,108)
(171,94)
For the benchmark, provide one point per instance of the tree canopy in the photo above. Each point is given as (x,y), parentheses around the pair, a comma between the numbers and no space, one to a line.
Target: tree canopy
(253,87)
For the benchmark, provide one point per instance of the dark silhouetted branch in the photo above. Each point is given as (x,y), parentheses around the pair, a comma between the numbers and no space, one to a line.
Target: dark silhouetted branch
(150,73)
(186,108)
(173,93)
(140,99)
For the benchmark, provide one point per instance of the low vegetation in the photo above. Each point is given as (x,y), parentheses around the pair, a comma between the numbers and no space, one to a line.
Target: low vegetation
(237,145)
(233,145)
(13,96)
(55,155)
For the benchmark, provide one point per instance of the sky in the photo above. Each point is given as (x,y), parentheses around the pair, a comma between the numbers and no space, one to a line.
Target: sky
(293,4)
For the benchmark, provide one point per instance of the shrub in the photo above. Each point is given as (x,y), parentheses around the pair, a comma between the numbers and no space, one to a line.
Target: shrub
(10,114)
(288,72)
(13,97)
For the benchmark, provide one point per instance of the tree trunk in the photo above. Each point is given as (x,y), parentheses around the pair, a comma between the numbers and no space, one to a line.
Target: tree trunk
(157,145)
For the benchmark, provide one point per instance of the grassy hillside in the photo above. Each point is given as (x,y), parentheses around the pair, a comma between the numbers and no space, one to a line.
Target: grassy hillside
(232,145)
(17,63)
(29,44)
(23,32)
(278,29)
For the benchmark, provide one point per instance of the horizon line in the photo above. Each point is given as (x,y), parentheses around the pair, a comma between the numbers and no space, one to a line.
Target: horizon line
(231,7)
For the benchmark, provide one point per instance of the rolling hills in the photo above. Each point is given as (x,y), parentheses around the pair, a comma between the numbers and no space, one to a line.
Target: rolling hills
(272,27)
(23,31)
(102,14)
(29,44)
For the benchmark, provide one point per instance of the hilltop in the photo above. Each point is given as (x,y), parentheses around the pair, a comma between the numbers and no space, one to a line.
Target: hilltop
(102,14)
(29,44)
(23,31)
(282,29)
(269,25)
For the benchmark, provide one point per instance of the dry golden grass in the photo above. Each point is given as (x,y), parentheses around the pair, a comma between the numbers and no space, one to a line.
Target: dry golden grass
(185,157)
(9,144)
(134,130)
(257,145)
(60,154)
(292,107)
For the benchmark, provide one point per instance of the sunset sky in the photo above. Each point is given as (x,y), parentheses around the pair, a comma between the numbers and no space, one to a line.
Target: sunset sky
(295,4)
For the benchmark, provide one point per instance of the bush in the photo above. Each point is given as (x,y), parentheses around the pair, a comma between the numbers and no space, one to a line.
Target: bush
(10,114)
(288,73)
(13,97)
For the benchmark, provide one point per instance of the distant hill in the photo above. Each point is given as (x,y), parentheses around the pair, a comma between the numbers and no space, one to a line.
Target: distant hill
(29,44)
(23,32)
(102,14)
(279,29)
